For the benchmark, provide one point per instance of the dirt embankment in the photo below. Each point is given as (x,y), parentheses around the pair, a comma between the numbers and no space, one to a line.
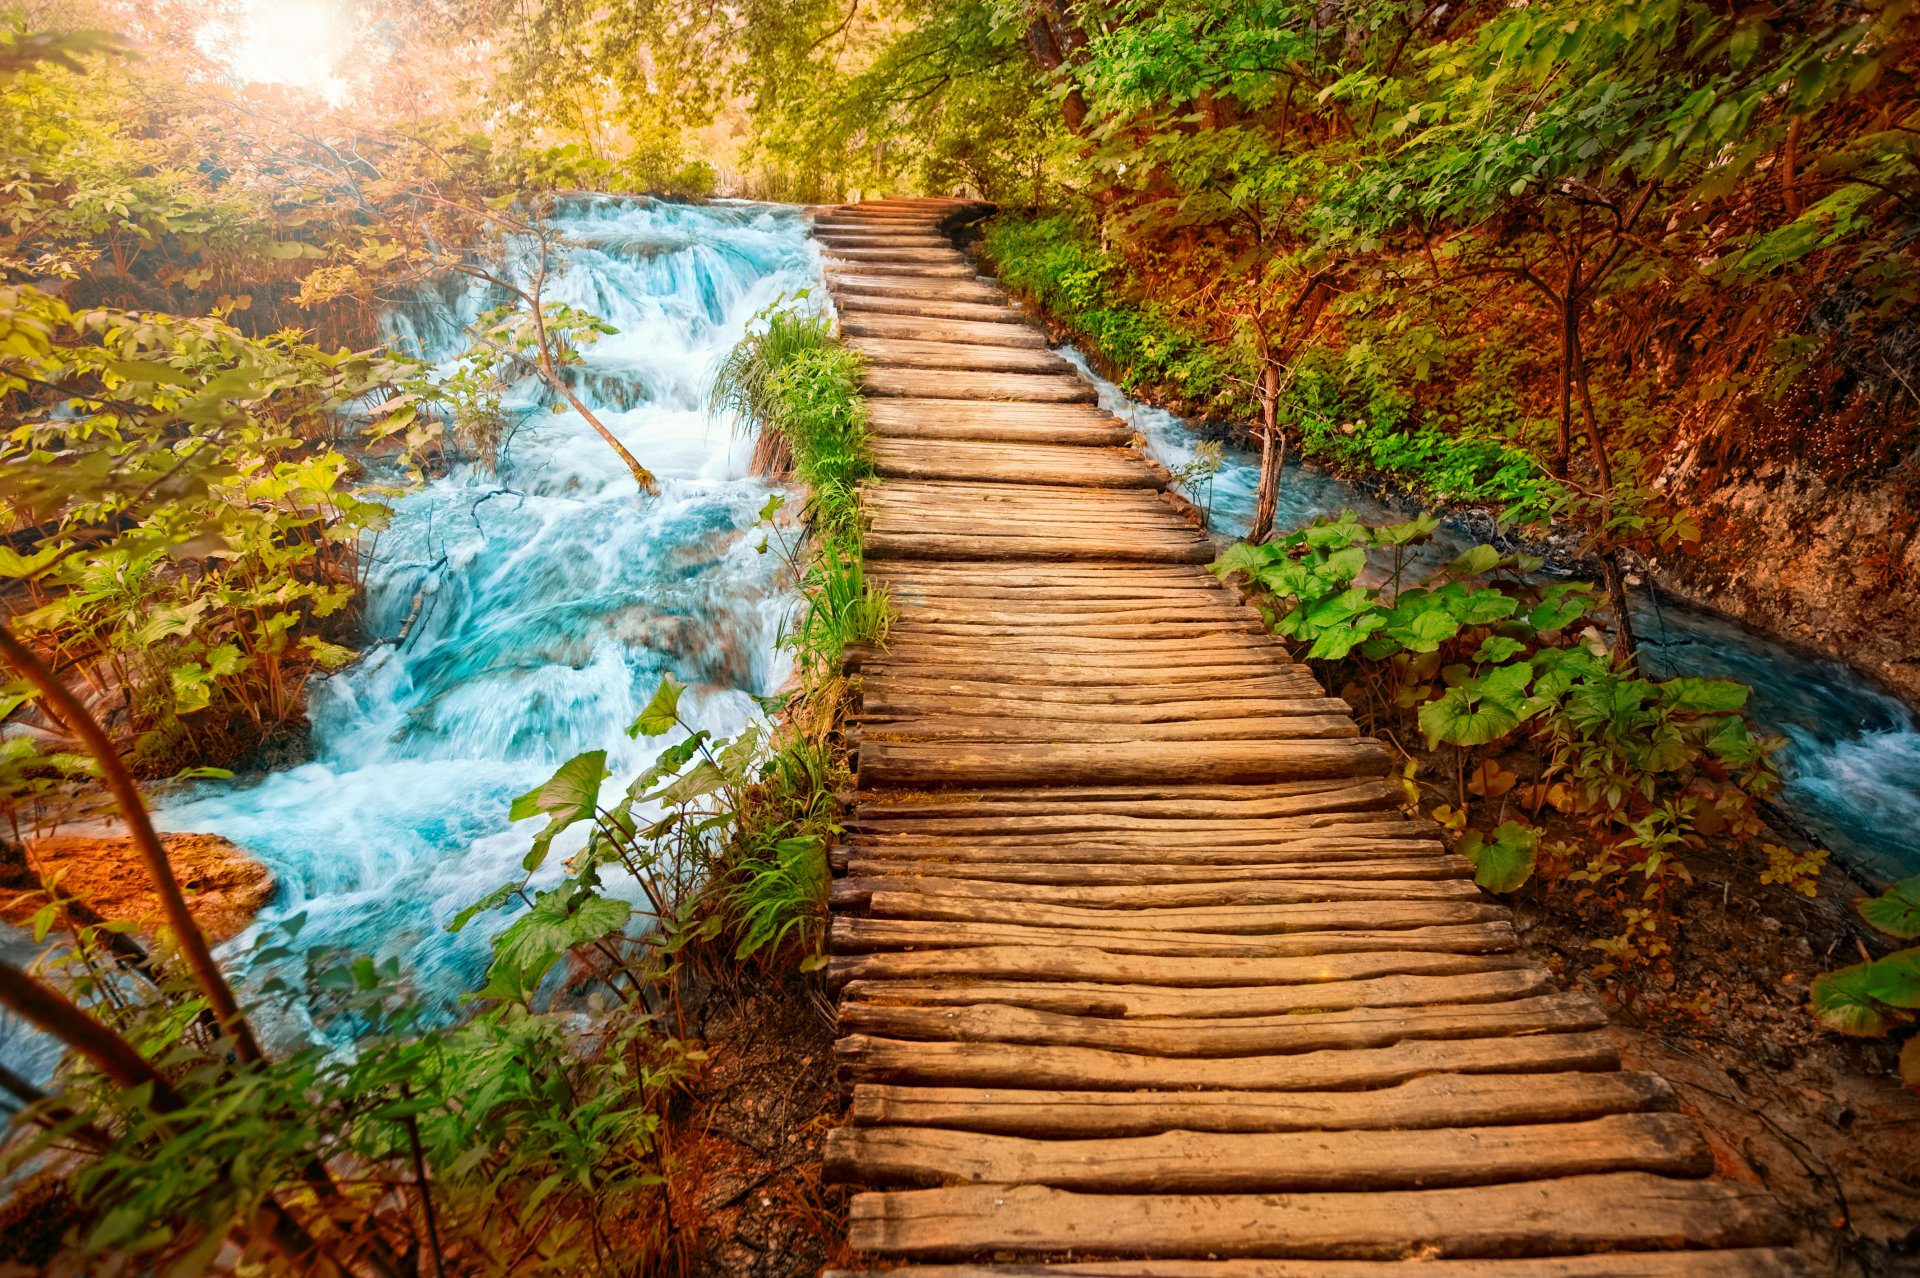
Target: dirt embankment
(224,885)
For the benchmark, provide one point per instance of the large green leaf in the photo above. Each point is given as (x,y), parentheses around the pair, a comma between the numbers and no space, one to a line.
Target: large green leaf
(1895,979)
(1560,606)
(662,712)
(1704,696)
(1506,860)
(1462,716)
(1473,562)
(1895,911)
(527,950)
(571,794)
(1843,1000)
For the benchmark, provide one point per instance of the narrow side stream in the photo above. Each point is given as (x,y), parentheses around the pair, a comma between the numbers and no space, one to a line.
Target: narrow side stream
(1852,760)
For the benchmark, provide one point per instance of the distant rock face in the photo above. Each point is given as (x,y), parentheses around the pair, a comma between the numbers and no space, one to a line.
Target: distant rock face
(225,886)
(1836,570)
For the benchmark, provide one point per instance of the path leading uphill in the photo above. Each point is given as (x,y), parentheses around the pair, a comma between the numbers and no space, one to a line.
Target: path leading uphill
(1137,955)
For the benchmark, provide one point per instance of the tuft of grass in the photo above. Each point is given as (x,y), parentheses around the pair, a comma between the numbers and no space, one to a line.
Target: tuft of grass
(793,381)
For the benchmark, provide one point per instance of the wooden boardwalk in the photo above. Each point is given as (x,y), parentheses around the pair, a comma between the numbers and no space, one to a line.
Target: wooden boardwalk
(1138,957)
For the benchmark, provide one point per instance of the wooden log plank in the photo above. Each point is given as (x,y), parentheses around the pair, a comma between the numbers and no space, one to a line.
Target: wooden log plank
(866,283)
(891,704)
(906,304)
(908,763)
(936,254)
(993,824)
(866,1059)
(942,266)
(866,237)
(1052,388)
(1106,999)
(1621,1210)
(1239,919)
(1334,806)
(908,409)
(989,727)
(1081,434)
(903,352)
(972,332)
(860,936)
(1087,963)
(1152,851)
(1086,467)
(929,460)
(938,614)
(1428,1101)
(1217,648)
(1103,798)
(1281,681)
(866,865)
(1271,1162)
(1246,1036)
(854,892)
(1050,578)
(948,546)
(1745,1262)
(1222,850)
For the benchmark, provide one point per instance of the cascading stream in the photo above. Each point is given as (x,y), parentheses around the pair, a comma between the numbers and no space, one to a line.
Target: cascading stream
(547,600)
(1852,761)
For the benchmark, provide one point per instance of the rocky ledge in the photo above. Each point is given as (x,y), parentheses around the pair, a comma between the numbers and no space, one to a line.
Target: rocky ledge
(226,887)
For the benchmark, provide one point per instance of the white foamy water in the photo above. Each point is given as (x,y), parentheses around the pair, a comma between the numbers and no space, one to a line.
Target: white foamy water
(551,598)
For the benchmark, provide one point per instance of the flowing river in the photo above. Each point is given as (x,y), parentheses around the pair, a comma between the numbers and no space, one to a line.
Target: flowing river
(548,599)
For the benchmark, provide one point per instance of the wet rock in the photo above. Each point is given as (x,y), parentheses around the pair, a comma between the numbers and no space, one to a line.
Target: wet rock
(225,886)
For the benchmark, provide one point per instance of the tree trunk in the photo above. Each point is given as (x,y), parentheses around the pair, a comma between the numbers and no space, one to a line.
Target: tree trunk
(1563,454)
(133,810)
(1273,457)
(1626,646)
(641,475)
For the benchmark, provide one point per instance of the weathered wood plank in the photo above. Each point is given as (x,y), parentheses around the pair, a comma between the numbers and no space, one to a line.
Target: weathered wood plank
(854,891)
(1577,1213)
(1149,849)
(951,546)
(1147,799)
(1272,1162)
(1745,1262)
(1246,1036)
(862,863)
(1106,999)
(900,352)
(991,727)
(1087,467)
(1087,963)
(894,303)
(972,332)
(860,936)
(1430,1100)
(867,1059)
(910,763)
(1051,388)
(861,282)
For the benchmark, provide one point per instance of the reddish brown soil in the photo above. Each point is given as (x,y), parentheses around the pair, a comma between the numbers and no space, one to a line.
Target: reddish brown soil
(745,1159)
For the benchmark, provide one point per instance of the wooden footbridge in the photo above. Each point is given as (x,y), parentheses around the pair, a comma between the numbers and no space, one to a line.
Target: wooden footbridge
(1142,970)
